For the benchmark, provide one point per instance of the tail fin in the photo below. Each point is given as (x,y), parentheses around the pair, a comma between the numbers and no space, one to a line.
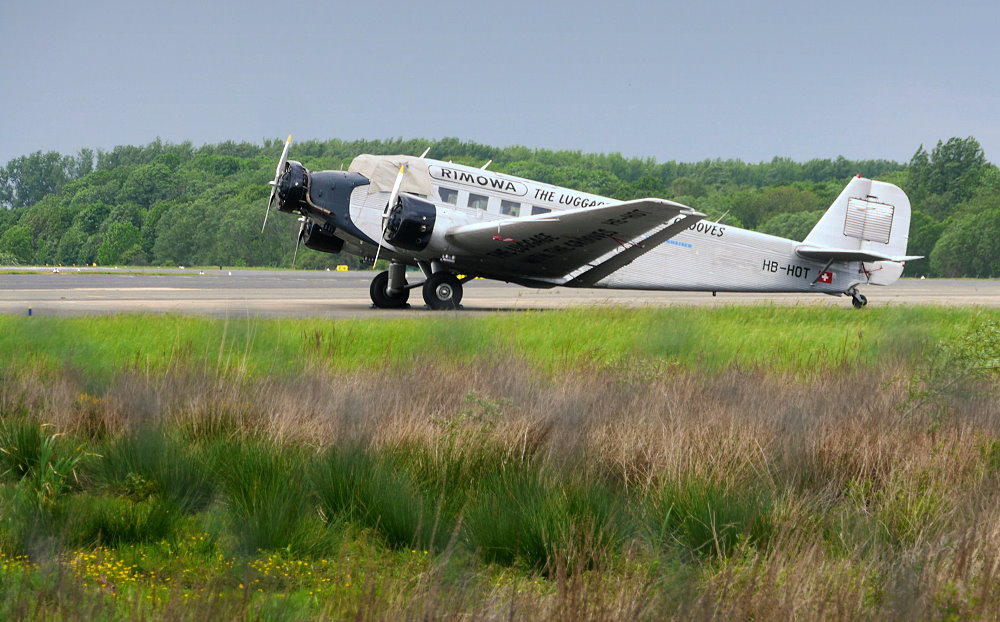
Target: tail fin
(869,222)
(868,216)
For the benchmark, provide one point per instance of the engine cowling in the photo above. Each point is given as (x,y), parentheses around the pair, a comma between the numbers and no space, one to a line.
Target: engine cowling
(292,186)
(410,223)
(320,239)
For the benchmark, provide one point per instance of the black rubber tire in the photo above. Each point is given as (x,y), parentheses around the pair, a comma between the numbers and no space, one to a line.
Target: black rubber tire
(381,298)
(443,291)
(859,300)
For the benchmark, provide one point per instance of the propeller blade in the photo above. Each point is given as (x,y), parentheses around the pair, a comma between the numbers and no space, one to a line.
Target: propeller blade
(298,240)
(388,207)
(395,189)
(277,177)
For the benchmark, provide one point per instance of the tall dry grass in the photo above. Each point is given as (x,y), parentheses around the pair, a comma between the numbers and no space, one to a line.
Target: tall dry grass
(740,494)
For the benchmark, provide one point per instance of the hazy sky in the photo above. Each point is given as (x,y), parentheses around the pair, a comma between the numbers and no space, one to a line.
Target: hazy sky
(672,80)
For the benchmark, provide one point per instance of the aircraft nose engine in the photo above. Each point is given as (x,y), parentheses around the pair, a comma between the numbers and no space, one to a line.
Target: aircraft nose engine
(293,186)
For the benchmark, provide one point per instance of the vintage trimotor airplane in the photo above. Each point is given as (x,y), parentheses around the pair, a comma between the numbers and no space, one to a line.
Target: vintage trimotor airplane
(456,222)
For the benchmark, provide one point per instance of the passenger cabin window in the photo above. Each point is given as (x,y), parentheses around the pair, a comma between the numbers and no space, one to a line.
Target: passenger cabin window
(448,195)
(510,208)
(539,210)
(478,201)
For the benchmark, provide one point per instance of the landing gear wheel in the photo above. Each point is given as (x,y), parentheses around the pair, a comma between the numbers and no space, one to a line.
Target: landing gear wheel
(442,290)
(381,297)
(858,300)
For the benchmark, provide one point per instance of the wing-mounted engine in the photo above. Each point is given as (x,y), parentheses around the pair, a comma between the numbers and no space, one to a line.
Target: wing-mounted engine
(410,223)
(321,238)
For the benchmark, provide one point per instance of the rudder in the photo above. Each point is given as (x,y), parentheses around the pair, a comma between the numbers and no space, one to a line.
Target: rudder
(867,216)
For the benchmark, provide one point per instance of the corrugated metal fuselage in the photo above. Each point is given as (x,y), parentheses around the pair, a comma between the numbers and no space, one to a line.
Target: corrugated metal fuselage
(707,257)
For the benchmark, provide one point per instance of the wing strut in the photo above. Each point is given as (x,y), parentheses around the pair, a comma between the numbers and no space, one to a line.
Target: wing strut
(822,272)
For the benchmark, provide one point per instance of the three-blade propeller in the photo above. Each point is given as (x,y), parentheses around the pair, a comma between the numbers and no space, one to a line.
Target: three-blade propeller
(277,177)
(393,197)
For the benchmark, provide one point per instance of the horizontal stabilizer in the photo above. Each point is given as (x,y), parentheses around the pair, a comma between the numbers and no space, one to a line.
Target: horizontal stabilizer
(846,254)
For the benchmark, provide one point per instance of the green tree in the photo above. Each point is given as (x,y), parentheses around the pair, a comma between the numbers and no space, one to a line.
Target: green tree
(794,226)
(754,207)
(147,184)
(17,242)
(687,187)
(84,162)
(48,220)
(134,256)
(70,246)
(25,180)
(90,218)
(969,246)
(924,234)
(119,238)
(952,170)
(645,186)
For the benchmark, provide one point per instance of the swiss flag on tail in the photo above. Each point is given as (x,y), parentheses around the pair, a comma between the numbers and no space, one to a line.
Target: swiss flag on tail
(825,277)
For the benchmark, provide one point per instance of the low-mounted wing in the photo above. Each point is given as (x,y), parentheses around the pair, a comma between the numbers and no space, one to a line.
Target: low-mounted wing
(587,243)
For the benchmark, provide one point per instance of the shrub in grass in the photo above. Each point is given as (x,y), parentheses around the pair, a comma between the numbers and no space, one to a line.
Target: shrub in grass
(20,447)
(151,462)
(263,489)
(38,468)
(41,462)
(497,523)
(375,493)
(115,521)
(708,519)
(908,508)
(517,516)
(25,527)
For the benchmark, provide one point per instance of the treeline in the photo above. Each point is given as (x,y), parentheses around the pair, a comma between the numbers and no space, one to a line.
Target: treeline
(177,204)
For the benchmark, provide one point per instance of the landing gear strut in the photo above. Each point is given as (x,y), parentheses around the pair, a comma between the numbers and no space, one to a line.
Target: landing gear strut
(388,289)
(857,298)
(442,290)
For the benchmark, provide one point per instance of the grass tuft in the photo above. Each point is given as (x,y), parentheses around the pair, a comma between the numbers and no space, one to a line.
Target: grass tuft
(371,492)
(709,519)
(517,516)
(263,489)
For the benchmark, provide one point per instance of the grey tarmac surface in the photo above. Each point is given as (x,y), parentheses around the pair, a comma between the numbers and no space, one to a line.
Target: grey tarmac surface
(259,293)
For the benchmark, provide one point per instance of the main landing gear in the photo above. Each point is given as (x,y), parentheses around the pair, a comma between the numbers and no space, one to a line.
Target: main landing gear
(857,298)
(442,290)
(389,290)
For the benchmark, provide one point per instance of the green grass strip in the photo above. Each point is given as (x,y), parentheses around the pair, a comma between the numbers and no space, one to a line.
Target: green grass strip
(775,338)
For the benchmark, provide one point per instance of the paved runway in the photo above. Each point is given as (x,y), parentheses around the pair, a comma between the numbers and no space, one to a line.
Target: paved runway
(241,293)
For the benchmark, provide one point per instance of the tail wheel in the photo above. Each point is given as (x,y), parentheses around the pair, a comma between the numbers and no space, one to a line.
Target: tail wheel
(381,297)
(443,291)
(859,300)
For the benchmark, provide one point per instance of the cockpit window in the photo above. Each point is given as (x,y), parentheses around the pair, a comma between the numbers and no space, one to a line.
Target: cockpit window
(478,201)
(510,208)
(448,195)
